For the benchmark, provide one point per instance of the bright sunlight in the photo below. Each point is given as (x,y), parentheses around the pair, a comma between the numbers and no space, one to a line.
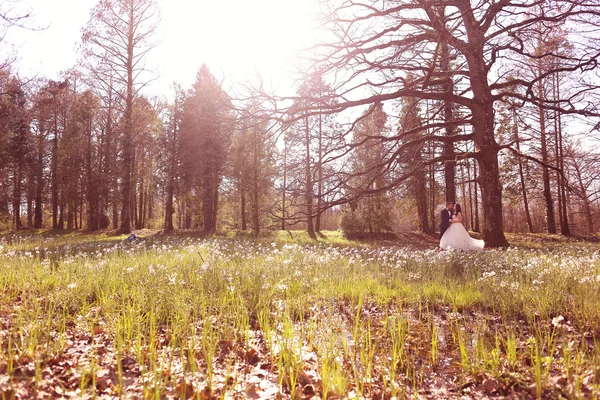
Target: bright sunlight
(236,39)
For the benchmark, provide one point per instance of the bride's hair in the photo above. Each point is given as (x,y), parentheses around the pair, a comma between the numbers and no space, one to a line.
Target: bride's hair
(456,209)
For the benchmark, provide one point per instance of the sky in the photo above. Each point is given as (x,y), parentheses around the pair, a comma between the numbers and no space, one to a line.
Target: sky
(235,38)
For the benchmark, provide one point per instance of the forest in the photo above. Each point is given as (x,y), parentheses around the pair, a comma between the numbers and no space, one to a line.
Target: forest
(240,239)
(401,107)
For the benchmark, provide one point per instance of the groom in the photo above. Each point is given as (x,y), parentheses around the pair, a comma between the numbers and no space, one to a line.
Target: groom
(446,215)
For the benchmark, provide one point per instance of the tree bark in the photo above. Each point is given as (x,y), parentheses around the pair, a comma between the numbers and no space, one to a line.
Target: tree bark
(255,188)
(92,185)
(54,171)
(308,196)
(470,186)
(243,206)
(559,154)
(448,146)
(320,173)
(17,176)
(39,182)
(586,200)
(487,157)
(550,221)
(127,132)
(521,174)
(173,149)
(283,194)
(486,147)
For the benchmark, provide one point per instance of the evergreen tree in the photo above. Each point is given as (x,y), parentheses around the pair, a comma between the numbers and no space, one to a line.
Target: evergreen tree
(206,131)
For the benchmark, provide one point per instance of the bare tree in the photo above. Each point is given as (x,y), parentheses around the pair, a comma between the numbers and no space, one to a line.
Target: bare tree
(385,51)
(118,37)
(584,166)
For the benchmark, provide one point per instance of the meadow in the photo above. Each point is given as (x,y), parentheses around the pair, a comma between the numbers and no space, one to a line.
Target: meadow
(177,316)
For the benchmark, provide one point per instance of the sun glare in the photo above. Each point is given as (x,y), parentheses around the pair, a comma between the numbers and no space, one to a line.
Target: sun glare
(236,39)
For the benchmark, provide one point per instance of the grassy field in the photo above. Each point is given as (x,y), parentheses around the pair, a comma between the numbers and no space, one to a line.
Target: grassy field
(95,316)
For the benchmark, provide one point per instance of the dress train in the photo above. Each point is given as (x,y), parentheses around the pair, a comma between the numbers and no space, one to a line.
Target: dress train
(456,237)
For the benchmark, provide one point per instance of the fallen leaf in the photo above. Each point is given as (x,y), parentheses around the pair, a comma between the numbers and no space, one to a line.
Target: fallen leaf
(185,390)
(251,392)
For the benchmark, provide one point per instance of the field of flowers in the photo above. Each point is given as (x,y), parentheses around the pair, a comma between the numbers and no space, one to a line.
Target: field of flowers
(96,316)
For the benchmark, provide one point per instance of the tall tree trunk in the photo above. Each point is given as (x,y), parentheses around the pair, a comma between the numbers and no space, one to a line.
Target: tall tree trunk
(421,198)
(470,193)
(134,208)
(521,174)
(320,174)
(463,194)
(208,205)
(215,200)
(39,178)
(127,134)
(62,209)
(587,209)
(550,221)
(208,208)
(283,194)
(489,173)
(17,176)
(107,195)
(243,205)
(432,184)
(255,183)
(30,196)
(476,228)
(150,197)
(169,207)
(486,147)
(145,207)
(54,172)
(448,147)
(81,208)
(308,195)
(92,185)
(560,182)
(255,204)
(139,223)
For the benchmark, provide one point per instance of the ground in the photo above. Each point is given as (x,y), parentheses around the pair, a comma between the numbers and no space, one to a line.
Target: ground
(282,316)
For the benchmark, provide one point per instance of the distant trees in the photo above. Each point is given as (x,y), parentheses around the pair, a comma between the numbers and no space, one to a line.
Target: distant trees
(252,160)
(369,207)
(312,160)
(413,158)
(146,131)
(411,104)
(582,166)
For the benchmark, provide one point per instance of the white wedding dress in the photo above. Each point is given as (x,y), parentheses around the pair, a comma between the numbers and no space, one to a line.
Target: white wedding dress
(456,237)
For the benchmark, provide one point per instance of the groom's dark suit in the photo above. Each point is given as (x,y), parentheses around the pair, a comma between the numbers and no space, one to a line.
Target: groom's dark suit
(445,214)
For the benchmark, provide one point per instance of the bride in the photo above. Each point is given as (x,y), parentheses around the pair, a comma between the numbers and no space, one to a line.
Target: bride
(456,236)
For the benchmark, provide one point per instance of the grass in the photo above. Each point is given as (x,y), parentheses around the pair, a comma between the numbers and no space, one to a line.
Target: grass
(92,315)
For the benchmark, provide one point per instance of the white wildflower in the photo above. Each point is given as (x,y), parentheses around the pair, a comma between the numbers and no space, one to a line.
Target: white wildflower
(556,321)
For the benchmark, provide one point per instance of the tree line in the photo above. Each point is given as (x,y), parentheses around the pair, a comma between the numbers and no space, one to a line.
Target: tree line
(406,105)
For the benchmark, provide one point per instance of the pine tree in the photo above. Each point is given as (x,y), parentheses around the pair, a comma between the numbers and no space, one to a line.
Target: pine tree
(206,131)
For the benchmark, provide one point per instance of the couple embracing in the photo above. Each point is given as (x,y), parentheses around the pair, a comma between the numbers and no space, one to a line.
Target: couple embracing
(453,234)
